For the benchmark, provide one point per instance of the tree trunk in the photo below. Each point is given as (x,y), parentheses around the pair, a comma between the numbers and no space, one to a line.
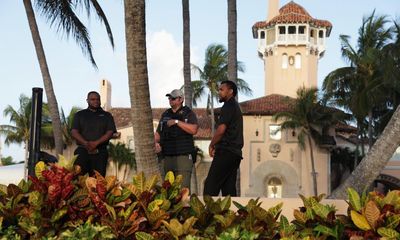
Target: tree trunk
(142,120)
(375,160)
(357,148)
(370,137)
(232,41)
(186,54)
(313,172)
(26,160)
(212,111)
(47,82)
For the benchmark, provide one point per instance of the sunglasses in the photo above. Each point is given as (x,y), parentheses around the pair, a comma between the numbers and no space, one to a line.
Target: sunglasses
(172,98)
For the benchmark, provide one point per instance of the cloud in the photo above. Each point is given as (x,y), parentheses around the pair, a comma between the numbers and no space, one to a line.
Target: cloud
(165,65)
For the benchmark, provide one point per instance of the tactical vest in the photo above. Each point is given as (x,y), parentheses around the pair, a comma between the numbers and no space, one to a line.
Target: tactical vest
(174,141)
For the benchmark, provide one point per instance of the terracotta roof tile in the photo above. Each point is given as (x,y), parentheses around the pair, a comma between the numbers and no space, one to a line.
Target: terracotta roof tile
(268,105)
(293,13)
(122,119)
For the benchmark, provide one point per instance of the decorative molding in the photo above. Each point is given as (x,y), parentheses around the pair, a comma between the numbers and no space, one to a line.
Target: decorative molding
(274,149)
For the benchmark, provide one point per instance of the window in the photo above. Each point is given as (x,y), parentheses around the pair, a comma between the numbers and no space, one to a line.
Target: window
(274,188)
(302,29)
(297,61)
(282,30)
(292,30)
(321,34)
(311,33)
(262,35)
(284,61)
(275,132)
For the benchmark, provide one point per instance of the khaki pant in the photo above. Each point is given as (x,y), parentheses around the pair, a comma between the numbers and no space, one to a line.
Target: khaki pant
(180,165)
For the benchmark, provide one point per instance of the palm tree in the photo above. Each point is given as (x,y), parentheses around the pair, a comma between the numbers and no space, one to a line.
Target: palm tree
(19,132)
(232,41)
(142,122)
(122,156)
(67,122)
(61,12)
(358,87)
(214,71)
(375,160)
(311,119)
(186,53)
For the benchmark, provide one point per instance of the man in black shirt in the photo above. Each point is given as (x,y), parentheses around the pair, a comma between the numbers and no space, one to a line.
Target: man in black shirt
(226,144)
(174,137)
(92,129)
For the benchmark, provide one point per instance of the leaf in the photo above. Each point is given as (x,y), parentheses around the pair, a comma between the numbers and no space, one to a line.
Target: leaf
(360,221)
(35,199)
(170,177)
(321,210)
(154,205)
(13,190)
(174,227)
(372,213)
(299,216)
(226,203)
(325,230)
(57,215)
(139,183)
(391,198)
(111,212)
(393,221)
(354,199)
(151,182)
(111,180)
(389,233)
(188,224)
(143,236)
(276,210)
(39,167)
(196,205)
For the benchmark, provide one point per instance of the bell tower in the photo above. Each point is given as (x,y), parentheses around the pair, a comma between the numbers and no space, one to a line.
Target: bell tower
(290,42)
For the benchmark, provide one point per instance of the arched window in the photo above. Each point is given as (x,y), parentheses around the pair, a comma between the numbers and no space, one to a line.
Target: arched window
(274,187)
(321,34)
(297,61)
(284,61)
(262,35)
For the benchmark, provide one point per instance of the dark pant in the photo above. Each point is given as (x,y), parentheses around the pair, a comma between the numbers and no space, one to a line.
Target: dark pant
(180,165)
(222,174)
(90,162)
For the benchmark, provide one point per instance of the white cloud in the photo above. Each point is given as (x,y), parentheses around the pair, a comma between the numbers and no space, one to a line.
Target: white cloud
(165,65)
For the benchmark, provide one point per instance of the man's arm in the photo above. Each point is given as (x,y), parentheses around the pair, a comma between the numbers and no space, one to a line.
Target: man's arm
(187,127)
(157,145)
(216,138)
(93,144)
(78,137)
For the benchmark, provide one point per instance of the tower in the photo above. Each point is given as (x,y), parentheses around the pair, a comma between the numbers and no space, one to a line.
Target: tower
(105,94)
(290,43)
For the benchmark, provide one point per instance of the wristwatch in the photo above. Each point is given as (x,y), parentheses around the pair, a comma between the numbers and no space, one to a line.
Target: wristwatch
(176,121)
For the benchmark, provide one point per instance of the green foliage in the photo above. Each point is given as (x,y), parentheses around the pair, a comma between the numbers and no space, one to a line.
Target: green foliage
(59,204)
(7,161)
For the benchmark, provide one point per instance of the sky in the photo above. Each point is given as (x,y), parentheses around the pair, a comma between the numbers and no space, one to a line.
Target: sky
(73,75)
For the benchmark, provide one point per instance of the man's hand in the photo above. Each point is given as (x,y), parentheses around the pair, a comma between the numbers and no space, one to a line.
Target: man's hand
(157,147)
(211,150)
(91,146)
(171,122)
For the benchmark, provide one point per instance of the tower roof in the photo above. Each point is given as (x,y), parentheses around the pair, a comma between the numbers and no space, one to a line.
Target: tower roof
(292,13)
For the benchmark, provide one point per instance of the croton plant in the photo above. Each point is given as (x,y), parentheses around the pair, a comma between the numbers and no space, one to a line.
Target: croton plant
(58,203)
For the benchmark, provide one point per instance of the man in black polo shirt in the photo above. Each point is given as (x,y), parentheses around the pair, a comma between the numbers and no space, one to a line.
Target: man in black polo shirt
(174,137)
(226,144)
(92,129)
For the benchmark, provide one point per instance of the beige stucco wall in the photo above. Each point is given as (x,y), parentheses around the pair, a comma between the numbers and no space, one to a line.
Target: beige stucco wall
(291,164)
(286,81)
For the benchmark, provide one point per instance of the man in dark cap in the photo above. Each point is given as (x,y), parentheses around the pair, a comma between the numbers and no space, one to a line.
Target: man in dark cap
(174,137)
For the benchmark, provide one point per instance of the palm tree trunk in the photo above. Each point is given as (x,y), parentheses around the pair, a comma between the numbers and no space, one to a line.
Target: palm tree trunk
(357,147)
(313,172)
(232,41)
(212,111)
(186,53)
(375,160)
(26,160)
(370,137)
(142,122)
(47,82)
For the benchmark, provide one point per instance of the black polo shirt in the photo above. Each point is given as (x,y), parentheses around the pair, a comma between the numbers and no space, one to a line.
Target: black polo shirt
(231,116)
(93,124)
